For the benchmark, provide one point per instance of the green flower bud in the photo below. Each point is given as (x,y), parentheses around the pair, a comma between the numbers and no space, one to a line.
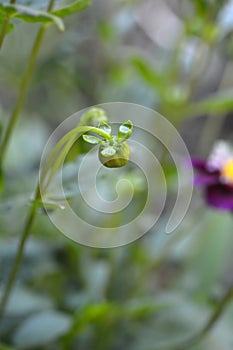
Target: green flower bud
(114,157)
(95,116)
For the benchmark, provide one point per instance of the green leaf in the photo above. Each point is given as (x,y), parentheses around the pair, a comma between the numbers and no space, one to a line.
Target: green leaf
(217,103)
(30,15)
(108,152)
(125,130)
(220,244)
(105,127)
(94,313)
(141,308)
(5,347)
(91,139)
(149,74)
(42,328)
(76,6)
(24,301)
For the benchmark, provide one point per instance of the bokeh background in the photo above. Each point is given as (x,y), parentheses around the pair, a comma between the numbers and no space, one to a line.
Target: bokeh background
(174,56)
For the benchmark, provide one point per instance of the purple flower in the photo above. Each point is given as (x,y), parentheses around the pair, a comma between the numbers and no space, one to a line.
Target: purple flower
(215,176)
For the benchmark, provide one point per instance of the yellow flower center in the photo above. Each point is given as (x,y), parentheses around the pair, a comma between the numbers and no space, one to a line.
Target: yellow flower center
(227,172)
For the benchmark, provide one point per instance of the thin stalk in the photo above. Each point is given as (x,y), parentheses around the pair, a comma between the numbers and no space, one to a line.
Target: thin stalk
(19,255)
(61,149)
(213,319)
(5,25)
(69,138)
(216,315)
(32,212)
(23,88)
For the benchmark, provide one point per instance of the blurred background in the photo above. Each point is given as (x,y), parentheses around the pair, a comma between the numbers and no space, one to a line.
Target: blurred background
(174,56)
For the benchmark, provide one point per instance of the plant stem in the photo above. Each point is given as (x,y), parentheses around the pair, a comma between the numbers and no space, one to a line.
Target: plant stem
(5,25)
(22,94)
(213,319)
(23,88)
(59,152)
(13,119)
(69,138)
(19,255)
(217,313)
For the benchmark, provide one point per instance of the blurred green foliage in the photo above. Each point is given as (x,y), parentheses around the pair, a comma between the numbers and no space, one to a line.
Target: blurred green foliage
(160,289)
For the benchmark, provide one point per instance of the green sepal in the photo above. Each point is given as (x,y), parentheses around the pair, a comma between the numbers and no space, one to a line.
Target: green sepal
(125,130)
(91,139)
(118,159)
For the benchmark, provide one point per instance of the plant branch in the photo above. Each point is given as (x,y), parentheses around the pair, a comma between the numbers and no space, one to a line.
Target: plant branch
(62,146)
(217,313)
(213,319)
(5,25)
(23,88)
(61,149)
(32,212)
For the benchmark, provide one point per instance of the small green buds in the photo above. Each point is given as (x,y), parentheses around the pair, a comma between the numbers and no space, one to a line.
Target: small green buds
(114,157)
(114,152)
(125,131)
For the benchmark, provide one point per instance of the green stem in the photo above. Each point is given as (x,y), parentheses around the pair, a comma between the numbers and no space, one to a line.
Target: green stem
(217,313)
(61,149)
(23,88)
(100,132)
(5,25)
(69,138)
(32,212)
(18,258)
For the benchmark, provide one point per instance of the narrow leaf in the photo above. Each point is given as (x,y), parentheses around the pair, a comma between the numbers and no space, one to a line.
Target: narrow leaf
(217,103)
(30,15)
(149,74)
(76,6)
